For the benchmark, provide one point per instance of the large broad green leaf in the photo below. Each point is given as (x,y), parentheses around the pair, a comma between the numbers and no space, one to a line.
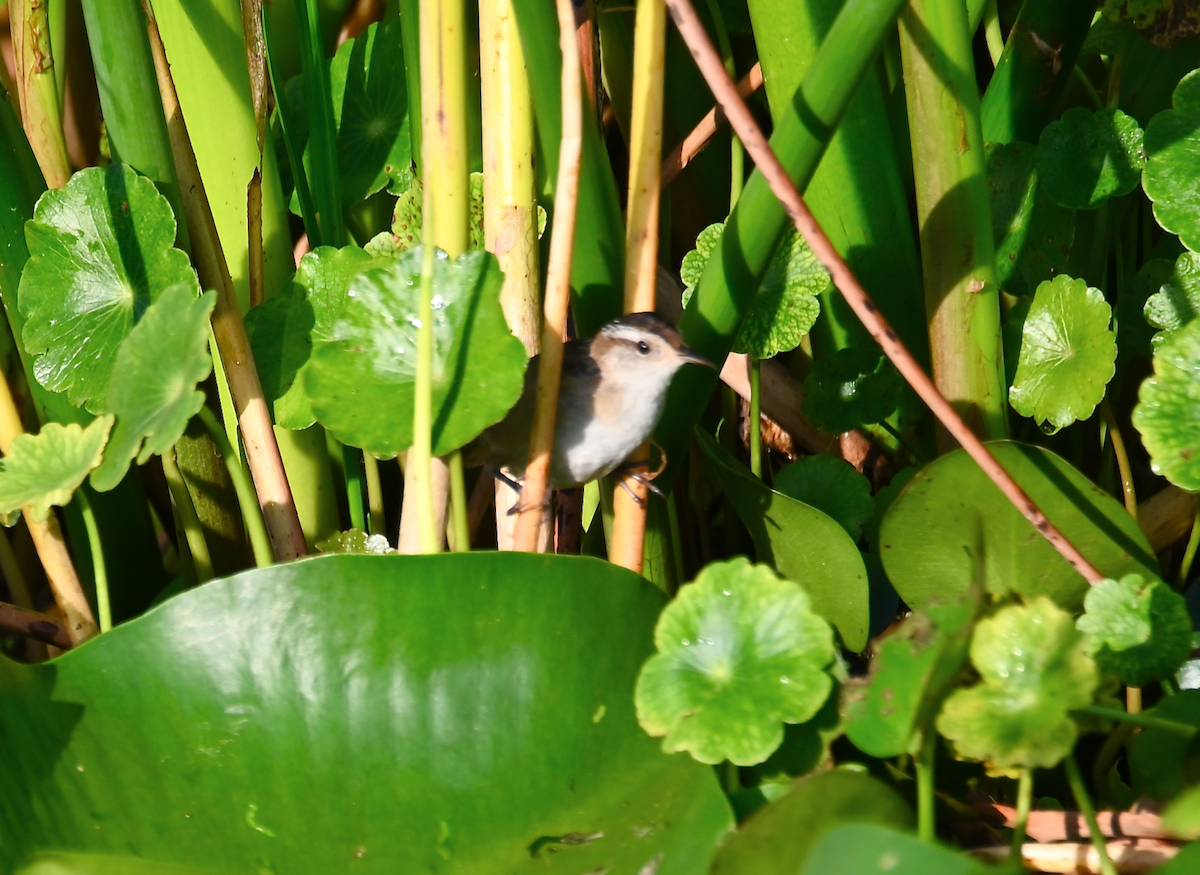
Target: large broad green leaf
(1139,630)
(284,328)
(832,486)
(740,653)
(1068,353)
(911,674)
(778,839)
(802,543)
(866,849)
(1173,156)
(1086,157)
(463,713)
(1033,234)
(360,380)
(153,390)
(1169,407)
(100,251)
(1034,669)
(45,469)
(951,524)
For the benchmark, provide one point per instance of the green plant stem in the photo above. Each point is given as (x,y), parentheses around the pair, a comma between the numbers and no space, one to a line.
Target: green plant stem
(1088,88)
(374,495)
(1145,721)
(247,498)
(753,425)
(458,504)
(103,605)
(1108,756)
(352,472)
(1089,813)
(322,133)
(188,520)
(420,460)
(410,36)
(1024,803)
(1189,554)
(1118,445)
(925,788)
(737,152)
(991,31)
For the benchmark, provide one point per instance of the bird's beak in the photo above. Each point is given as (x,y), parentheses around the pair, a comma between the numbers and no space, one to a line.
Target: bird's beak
(691,357)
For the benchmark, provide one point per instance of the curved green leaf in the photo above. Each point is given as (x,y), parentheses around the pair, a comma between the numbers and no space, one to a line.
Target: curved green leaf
(499,739)
(867,849)
(1173,155)
(1035,670)
(1177,300)
(802,544)
(360,380)
(1138,630)
(1033,234)
(952,526)
(45,469)
(740,653)
(832,486)
(1086,157)
(1169,407)
(153,390)
(1134,331)
(407,221)
(849,388)
(100,252)
(1068,353)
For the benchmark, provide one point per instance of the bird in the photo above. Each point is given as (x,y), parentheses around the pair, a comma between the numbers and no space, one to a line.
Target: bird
(612,393)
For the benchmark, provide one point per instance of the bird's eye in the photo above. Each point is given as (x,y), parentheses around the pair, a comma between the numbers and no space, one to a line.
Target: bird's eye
(643,347)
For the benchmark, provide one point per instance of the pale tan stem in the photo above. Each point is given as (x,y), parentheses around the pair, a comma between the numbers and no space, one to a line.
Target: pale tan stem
(262,452)
(641,244)
(713,70)
(679,157)
(37,89)
(409,538)
(558,290)
(1167,516)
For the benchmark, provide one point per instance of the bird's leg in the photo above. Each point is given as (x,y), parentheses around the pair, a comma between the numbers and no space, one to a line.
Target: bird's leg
(504,478)
(645,478)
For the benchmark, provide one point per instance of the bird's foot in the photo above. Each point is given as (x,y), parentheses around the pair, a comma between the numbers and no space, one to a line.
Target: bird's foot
(646,478)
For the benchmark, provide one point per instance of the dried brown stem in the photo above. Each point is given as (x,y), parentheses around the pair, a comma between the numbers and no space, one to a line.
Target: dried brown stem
(693,144)
(558,291)
(713,70)
(262,451)
(33,624)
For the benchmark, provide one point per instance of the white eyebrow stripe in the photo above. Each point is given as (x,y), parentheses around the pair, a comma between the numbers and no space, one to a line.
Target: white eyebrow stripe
(625,332)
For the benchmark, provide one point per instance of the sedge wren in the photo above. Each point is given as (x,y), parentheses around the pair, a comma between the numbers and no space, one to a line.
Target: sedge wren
(612,393)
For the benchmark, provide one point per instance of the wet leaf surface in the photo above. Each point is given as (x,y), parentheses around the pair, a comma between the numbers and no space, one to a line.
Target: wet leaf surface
(1169,407)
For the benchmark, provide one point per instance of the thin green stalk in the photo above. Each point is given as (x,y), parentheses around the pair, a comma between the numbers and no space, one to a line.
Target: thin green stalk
(1089,814)
(737,152)
(421,455)
(1088,88)
(1107,757)
(374,495)
(1118,445)
(1024,803)
(925,788)
(410,36)
(1189,554)
(1145,721)
(754,424)
(247,497)
(103,606)
(458,504)
(991,31)
(188,520)
(322,133)
(676,536)
(352,467)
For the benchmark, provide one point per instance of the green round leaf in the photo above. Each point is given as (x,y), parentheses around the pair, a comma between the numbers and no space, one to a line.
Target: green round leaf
(1169,407)
(951,526)
(1085,157)
(1177,301)
(849,388)
(740,652)
(45,469)
(1134,330)
(1068,353)
(283,329)
(360,380)
(802,543)
(153,390)
(786,306)
(1138,630)
(911,675)
(500,738)
(407,221)
(100,252)
(1172,157)
(832,486)
(1163,764)
(1035,670)
(869,849)
(1033,234)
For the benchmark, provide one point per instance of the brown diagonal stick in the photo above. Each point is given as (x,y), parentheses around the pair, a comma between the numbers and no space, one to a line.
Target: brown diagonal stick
(262,452)
(713,70)
(694,143)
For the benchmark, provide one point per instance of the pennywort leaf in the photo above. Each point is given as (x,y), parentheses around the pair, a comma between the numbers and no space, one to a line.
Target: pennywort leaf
(45,469)
(850,388)
(1177,301)
(1086,157)
(1173,156)
(740,653)
(1138,629)
(1169,407)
